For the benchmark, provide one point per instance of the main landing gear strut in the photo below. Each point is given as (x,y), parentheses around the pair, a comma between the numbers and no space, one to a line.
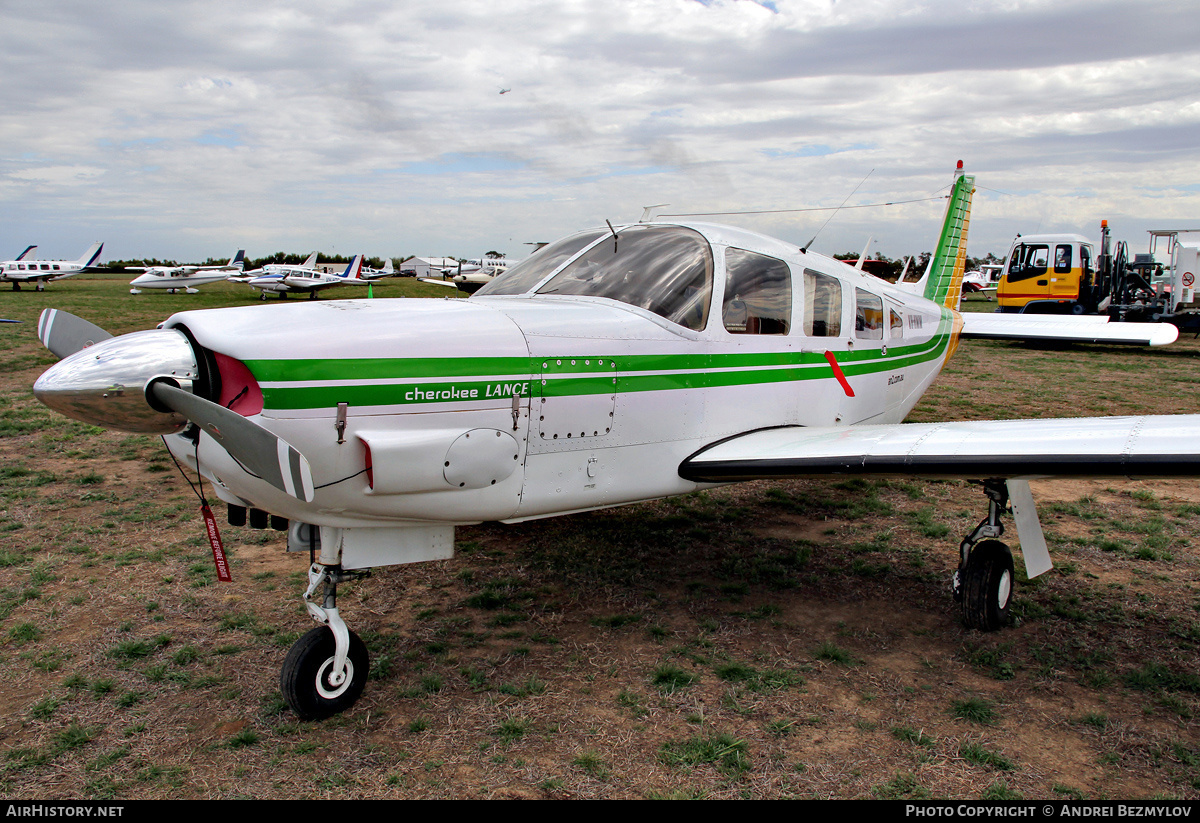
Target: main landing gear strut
(325,671)
(984,580)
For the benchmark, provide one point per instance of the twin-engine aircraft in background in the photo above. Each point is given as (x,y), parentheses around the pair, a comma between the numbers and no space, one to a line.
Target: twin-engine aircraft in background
(614,366)
(184,278)
(24,270)
(284,279)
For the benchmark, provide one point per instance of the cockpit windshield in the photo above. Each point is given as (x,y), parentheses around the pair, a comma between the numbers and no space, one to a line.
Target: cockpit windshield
(533,269)
(667,270)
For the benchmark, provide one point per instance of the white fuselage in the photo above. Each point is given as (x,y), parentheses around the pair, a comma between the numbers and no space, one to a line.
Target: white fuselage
(21,271)
(610,397)
(177,278)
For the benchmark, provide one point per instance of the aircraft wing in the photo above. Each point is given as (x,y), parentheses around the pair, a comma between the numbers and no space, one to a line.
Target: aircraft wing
(1146,446)
(1065,328)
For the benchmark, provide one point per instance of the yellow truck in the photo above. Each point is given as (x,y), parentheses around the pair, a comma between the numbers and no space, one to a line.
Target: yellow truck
(1049,274)
(1064,274)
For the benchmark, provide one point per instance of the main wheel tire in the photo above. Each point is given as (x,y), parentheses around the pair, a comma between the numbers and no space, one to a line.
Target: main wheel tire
(305,682)
(987,586)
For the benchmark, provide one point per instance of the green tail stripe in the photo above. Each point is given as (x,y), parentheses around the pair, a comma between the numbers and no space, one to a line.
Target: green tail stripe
(945,275)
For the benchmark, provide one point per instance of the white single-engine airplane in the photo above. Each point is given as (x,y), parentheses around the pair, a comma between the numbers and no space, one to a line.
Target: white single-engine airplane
(369,273)
(23,270)
(284,279)
(184,278)
(614,366)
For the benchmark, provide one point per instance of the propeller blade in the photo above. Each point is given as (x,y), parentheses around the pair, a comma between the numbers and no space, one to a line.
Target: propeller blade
(258,450)
(64,334)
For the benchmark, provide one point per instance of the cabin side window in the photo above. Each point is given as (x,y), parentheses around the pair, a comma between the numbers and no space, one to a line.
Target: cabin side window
(1028,261)
(895,324)
(868,315)
(1062,258)
(1085,259)
(758,294)
(822,305)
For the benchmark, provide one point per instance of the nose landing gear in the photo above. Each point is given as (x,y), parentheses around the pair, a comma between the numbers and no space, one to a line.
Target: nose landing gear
(325,671)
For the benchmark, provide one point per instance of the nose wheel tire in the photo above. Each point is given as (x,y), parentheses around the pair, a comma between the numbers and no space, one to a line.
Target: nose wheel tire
(310,686)
(987,586)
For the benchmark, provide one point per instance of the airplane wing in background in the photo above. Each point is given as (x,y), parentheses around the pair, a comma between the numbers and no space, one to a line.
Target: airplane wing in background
(1065,328)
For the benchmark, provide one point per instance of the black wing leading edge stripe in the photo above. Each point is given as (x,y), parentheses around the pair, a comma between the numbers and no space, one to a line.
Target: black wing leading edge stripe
(948,466)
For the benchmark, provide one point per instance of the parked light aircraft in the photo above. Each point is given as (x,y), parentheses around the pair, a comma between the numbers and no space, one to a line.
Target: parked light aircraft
(616,365)
(369,273)
(284,279)
(983,280)
(23,270)
(471,275)
(184,278)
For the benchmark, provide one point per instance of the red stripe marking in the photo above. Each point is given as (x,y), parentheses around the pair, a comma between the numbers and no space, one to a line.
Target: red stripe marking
(837,372)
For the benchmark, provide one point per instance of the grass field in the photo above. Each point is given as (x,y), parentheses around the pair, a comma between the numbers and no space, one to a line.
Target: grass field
(768,640)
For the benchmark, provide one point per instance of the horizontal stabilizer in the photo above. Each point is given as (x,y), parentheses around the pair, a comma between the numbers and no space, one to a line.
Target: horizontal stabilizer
(1141,447)
(1065,328)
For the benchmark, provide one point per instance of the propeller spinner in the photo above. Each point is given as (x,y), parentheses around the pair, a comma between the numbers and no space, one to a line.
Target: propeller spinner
(144,382)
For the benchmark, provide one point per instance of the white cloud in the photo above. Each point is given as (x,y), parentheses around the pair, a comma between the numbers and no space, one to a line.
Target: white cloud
(185,128)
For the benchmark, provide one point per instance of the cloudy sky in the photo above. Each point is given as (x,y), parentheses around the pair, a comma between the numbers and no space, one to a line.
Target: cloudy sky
(180,130)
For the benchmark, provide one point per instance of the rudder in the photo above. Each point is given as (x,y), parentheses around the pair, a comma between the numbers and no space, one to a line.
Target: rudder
(944,284)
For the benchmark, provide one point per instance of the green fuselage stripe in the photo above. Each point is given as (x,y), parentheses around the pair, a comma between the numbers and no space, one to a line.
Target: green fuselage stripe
(497,379)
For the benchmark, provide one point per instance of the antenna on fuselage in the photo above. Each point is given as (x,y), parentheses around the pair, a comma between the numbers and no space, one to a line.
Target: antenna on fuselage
(805,247)
(648,211)
(862,257)
(614,231)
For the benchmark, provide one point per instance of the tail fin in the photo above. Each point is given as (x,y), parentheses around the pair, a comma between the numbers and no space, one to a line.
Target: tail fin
(27,251)
(354,269)
(310,262)
(238,260)
(388,268)
(943,279)
(91,255)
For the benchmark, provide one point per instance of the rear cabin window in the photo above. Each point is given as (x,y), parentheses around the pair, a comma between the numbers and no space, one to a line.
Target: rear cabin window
(868,315)
(667,270)
(895,323)
(536,267)
(822,305)
(758,294)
